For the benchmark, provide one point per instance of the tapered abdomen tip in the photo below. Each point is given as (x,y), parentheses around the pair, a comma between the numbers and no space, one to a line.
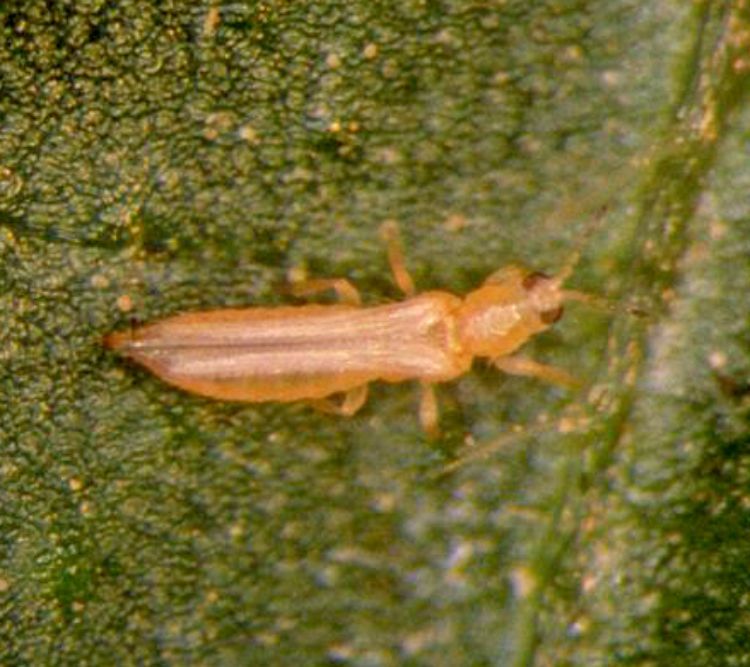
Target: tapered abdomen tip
(115,340)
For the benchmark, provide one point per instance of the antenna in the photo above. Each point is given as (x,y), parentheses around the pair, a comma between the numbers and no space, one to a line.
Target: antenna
(568,268)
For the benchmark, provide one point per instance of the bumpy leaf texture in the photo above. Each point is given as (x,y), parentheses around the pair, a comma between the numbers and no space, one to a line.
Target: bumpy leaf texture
(162,157)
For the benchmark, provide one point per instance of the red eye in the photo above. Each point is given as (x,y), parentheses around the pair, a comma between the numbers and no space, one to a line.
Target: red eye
(533,279)
(551,316)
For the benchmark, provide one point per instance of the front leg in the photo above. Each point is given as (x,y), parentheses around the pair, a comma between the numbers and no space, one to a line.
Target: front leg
(518,365)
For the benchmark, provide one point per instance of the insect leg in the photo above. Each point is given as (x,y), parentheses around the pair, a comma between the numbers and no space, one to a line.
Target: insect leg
(389,232)
(354,399)
(525,366)
(345,291)
(429,412)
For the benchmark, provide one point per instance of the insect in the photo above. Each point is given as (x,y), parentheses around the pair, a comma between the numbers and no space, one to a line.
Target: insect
(311,352)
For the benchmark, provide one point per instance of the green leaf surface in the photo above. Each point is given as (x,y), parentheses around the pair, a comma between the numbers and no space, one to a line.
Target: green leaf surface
(163,157)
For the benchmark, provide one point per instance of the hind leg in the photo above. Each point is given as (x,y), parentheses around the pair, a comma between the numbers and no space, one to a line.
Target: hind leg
(353,401)
(346,292)
(389,232)
(429,413)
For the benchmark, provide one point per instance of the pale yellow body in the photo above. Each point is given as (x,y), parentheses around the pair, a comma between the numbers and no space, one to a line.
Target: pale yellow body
(310,352)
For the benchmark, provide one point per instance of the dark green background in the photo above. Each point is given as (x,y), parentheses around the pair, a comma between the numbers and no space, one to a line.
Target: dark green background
(189,162)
